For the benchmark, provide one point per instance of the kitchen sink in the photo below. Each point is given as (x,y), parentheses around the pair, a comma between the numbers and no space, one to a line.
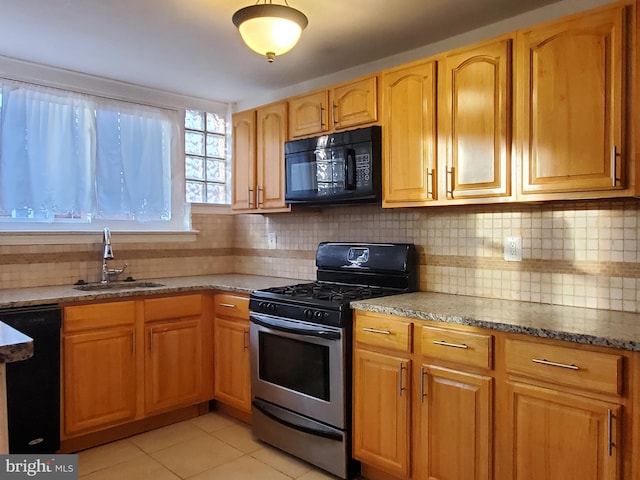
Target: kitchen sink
(124,285)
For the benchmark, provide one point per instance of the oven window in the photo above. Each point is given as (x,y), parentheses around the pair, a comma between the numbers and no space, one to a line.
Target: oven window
(294,364)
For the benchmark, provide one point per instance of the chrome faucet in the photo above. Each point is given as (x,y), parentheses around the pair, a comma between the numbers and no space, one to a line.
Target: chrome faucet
(107,254)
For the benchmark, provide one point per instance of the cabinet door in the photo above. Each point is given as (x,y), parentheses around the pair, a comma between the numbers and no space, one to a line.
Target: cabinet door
(557,435)
(173,364)
(475,121)
(231,360)
(457,418)
(571,112)
(355,103)
(99,379)
(381,419)
(409,130)
(244,161)
(308,114)
(272,133)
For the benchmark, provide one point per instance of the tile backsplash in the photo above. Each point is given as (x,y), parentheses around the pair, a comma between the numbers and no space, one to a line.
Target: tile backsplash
(573,253)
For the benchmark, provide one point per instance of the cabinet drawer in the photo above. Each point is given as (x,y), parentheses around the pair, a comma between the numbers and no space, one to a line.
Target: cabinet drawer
(467,348)
(99,315)
(172,307)
(229,305)
(599,372)
(383,331)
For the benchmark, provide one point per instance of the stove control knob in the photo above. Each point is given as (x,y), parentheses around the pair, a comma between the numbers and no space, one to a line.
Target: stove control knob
(319,314)
(308,313)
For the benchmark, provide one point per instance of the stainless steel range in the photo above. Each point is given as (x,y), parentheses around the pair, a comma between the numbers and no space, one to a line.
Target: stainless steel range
(301,349)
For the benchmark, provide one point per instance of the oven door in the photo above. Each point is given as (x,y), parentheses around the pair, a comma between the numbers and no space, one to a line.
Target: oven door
(299,366)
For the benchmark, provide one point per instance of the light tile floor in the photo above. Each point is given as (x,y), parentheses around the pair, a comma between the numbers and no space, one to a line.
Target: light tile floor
(209,447)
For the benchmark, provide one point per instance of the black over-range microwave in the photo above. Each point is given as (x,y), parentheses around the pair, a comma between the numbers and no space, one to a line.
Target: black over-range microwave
(335,169)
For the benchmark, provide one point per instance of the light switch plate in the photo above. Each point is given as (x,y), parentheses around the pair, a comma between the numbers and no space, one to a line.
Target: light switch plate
(272,241)
(513,249)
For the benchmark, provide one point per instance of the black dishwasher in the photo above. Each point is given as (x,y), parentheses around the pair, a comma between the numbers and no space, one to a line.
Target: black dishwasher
(33,385)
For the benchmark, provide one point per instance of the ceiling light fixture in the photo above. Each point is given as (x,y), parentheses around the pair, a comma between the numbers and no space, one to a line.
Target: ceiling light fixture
(270,29)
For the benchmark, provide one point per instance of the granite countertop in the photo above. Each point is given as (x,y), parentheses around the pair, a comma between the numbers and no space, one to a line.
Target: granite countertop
(580,325)
(60,294)
(14,346)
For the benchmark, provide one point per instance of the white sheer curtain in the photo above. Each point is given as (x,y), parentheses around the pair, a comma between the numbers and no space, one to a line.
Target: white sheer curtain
(66,155)
(46,152)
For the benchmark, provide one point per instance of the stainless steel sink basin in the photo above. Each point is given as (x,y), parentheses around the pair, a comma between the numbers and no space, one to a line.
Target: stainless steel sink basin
(91,287)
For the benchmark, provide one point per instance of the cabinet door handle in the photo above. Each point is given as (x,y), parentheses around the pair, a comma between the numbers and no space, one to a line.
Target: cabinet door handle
(448,344)
(610,432)
(430,187)
(375,330)
(260,196)
(227,305)
(133,342)
(245,335)
(250,197)
(450,177)
(334,107)
(543,361)
(614,165)
(322,109)
(401,386)
(422,392)
(151,339)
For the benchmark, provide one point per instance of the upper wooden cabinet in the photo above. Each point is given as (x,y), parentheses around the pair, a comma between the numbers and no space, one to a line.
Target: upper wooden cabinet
(409,135)
(344,106)
(258,149)
(571,88)
(475,122)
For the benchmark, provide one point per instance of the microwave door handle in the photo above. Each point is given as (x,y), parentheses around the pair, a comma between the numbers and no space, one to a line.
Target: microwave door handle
(350,169)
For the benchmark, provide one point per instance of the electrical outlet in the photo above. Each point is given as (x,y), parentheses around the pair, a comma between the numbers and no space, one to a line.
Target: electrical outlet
(513,249)
(272,241)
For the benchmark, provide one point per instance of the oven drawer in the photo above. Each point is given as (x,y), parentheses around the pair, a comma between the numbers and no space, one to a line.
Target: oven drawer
(229,305)
(472,349)
(584,369)
(383,331)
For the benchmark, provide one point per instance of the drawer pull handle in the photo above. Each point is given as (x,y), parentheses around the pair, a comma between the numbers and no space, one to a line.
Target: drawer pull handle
(555,364)
(228,305)
(375,330)
(448,344)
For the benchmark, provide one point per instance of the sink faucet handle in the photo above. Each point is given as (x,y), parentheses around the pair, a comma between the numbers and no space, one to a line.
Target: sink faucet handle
(106,243)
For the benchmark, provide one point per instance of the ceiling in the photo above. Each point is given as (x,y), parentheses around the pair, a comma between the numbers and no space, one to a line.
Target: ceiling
(191,47)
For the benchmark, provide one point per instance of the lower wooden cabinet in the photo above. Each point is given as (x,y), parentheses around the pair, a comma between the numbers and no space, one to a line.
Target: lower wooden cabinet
(127,360)
(456,432)
(231,351)
(557,436)
(381,405)
(487,405)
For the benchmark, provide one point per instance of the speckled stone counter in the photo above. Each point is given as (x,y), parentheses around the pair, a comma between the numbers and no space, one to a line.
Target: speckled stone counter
(580,325)
(20,297)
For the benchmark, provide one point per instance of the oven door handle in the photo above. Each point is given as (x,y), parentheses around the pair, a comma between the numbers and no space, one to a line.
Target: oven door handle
(284,326)
(272,414)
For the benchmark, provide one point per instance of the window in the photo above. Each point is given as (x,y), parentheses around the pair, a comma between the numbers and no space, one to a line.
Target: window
(206,166)
(68,157)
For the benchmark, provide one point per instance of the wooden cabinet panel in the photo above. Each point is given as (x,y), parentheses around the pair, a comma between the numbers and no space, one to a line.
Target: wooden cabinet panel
(99,315)
(173,364)
(465,348)
(230,305)
(244,160)
(355,103)
(99,378)
(179,306)
(556,436)
(308,114)
(475,121)
(381,406)
(583,369)
(571,112)
(271,135)
(457,425)
(409,135)
(232,367)
(383,331)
